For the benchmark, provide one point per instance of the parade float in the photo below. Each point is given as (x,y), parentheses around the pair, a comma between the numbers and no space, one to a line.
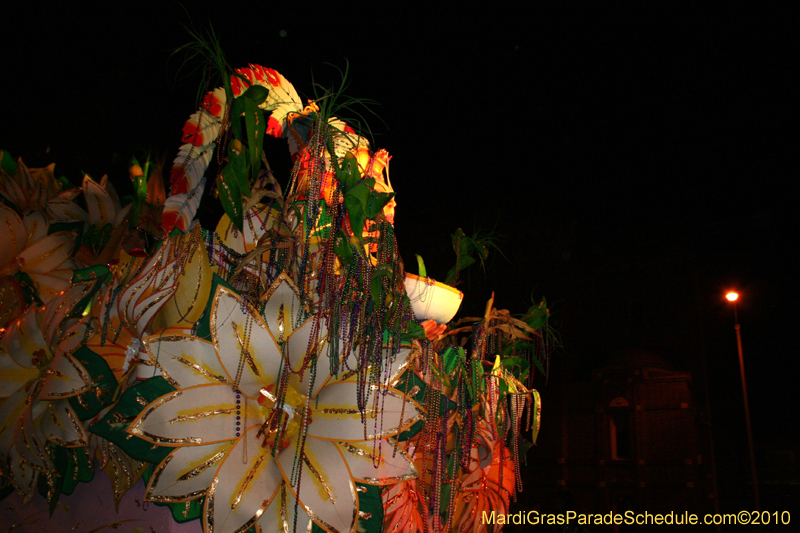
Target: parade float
(278,372)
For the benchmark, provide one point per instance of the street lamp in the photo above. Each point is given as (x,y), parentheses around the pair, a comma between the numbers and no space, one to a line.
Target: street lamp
(733,297)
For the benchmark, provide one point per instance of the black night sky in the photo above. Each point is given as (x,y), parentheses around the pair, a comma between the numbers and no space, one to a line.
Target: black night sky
(636,158)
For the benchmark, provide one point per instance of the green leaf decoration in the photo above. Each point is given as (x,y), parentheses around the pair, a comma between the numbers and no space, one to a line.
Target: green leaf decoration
(95,238)
(363,191)
(139,192)
(451,357)
(113,426)
(444,494)
(256,127)
(412,330)
(97,272)
(74,227)
(349,174)
(441,376)
(500,417)
(65,183)
(532,348)
(342,247)
(231,196)
(356,214)
(7,163)
(237,110)
(376,203)
(239,159)
(477,381)
(517,366)
(538,315)
(78,470)
(371,505)
(203,326)
(408,383)
(381,271)
(58,455)
(91,402)
(183,511)
(463,263)
(28,288)
(423,272)
(257,94)
(95,276)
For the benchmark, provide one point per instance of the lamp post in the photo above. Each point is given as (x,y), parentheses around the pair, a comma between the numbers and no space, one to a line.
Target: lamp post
(733,297)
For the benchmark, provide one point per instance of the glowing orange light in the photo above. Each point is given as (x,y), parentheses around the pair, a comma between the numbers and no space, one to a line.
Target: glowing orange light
(732,296)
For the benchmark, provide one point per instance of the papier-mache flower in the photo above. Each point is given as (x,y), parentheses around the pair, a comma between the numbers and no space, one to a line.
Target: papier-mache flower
(29,249)
(37,376)
(252,453)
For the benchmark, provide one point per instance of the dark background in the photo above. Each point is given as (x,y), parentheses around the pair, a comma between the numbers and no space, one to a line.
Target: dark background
(638,159)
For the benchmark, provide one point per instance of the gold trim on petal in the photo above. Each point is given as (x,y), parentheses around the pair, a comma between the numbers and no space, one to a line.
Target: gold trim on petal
(135,427)
(200,369)
(199,469)
(318,477)
(385,480)
(203,414)
(247,479)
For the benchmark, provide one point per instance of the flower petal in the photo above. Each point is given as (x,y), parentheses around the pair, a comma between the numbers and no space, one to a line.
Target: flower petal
(185,360)
(61,207)
(49,286)
(283,308)
(13,192)
(186,473)
(23,476)
(11,411)
(257,220)
(99,202)
(377,462)
(204,414)
(47,254)
(298,344)
(27,440)
(246,348)
(327,491)
(56,311)
(14,376)
(60,425)
(24,340)
(393,367)
(244,485)
(16,236)
(66,377)
(280,514)
(75,335)
(338,418)
(36,226)
(145,295)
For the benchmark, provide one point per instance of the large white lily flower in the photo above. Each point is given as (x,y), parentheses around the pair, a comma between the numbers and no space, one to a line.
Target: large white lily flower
(28,248)
(37,376)
(225,422)
(36,190)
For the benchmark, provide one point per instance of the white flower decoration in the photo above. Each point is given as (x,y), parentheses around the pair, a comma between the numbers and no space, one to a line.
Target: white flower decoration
(225,422)
(37,376)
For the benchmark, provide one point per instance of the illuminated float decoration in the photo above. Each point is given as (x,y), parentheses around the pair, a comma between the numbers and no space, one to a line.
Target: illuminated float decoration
(281,372)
